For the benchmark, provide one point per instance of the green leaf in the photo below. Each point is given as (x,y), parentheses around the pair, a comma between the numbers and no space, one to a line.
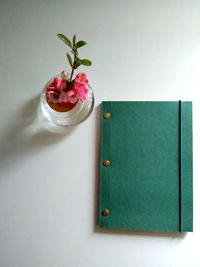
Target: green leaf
(86,62)
(80,44)
(74,40)
(69,59)
(78,62)
(64,39)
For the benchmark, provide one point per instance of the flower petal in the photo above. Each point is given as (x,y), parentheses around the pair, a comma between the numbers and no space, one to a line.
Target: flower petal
(70,93)
(57,81)
(63,85)
(72,99)
(63,97)
(81,78)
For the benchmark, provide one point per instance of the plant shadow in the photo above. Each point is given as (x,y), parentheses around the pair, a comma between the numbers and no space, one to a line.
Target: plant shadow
(30,131)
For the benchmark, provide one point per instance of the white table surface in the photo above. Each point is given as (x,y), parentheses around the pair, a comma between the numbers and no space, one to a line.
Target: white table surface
(141,50)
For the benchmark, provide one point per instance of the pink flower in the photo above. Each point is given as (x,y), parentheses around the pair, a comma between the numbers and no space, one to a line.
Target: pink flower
(81,92)
(80,86)
(63,97)
(59,84)
(81,78)
(72,97)
(67,97)
(55,88)
(53,96)
(56,91)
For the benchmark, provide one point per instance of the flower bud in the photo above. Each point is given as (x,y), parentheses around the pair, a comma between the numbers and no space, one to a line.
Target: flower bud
(65,75)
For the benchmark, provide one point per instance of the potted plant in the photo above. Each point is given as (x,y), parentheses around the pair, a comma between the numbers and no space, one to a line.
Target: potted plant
(68,99)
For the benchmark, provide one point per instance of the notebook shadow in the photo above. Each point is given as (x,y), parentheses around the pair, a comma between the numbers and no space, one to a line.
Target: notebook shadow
(29,131)
(96,228)
(99,230)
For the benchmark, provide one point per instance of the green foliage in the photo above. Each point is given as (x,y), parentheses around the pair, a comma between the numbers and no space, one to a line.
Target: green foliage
(80,44)
(86,62)
(76,61)
(69,60)
(64,39)
(74,40)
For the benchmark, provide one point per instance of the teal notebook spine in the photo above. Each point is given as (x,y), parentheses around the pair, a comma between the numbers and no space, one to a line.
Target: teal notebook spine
(105,173)
(185,167)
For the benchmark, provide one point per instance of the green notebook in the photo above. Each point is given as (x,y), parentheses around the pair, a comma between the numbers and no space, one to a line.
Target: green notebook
(146,166)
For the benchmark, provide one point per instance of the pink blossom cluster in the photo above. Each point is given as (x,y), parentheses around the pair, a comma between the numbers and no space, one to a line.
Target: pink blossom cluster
(57,90)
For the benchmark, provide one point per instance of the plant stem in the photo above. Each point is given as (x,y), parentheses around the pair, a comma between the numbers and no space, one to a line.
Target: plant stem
(72,72)
(73,67)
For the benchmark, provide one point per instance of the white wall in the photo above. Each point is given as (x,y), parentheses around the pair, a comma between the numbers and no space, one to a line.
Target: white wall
(141,50)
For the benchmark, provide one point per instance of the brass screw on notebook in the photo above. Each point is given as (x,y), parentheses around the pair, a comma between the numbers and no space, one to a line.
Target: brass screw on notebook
(107,115)
(106,162)
(105,212)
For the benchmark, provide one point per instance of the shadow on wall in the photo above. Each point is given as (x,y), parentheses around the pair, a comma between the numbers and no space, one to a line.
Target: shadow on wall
(97,228)
(30,132)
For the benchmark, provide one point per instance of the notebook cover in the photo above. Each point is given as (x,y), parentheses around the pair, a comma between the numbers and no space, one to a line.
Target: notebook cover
(148,184)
